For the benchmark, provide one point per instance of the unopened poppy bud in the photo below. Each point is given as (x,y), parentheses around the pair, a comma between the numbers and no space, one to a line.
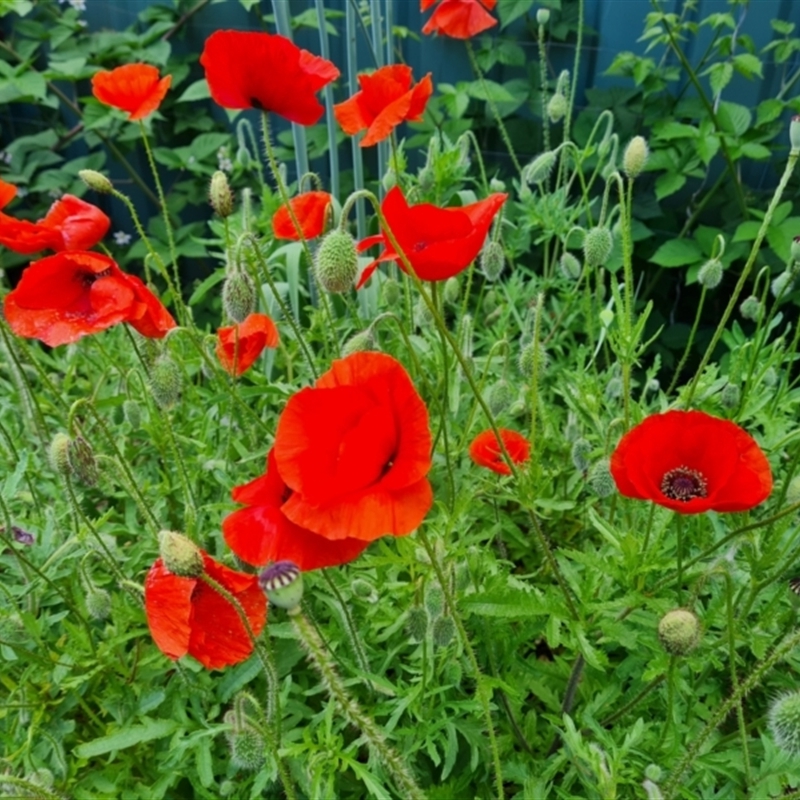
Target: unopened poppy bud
(499,397)
(580,452)
(710,274)
(496,185)
(452,290)
(597,245)
(784,722)
(227,788)
(132,413)
(489,302)
(423,316)
(679,631)
(652,386)
(635,157)
(730,396)
(41,777)
(165,382)
(601,480)
(426,179)
(389,180)
(238,296)
(557,108)
(795,249)
(336,263)
(96,180)
(243,157)
(461,577)
(652,790)
(417,623)
(794,133)
(569,267)
(364,589)
(359,342)
(465,339)
(181,556)
(750,308)
(444,630)
(538,171)
(542,16)
(453,672)
(283,583)
(782,284)
(59,454)
(247,748)
(434,600)
(390,292)
(98,604)
(793,491)
(220,195)
(493,260)
(82,461)
(531,359)
(653,772)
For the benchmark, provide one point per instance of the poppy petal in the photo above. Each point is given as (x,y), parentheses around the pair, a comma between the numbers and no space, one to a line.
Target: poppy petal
(238,346)
(167,602)
(135,88)
(311,212)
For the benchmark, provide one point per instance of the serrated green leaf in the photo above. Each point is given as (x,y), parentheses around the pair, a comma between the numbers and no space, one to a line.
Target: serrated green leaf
(734,118)
(748,65)
(135,734)
(509,10)
(508,605)
(768,111)
(677,253)
(719,76)
(668,184)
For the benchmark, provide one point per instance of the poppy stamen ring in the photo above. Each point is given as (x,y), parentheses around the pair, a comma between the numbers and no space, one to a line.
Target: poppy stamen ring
(684,484)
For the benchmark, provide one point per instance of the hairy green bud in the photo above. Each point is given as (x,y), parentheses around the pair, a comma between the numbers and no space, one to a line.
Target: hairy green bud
(597,245)
(434,600)
(452,290)
(364,340)
(569,266)
(238,296)
(751,308)
(391,292)
(336,262)
(557,108)
(679,631)
(417,623)
(59,454)
(82,461)
(784,722)
(783,284)
(493,260)
(181,556)
(538,171)
(444,631)
(542,16)
(635,157)
(220,195)
(132,413)
(710,274)
(580,452)
(499,397)
(730,396)
(96,180)
(98,604)
(600,479)
(165,382)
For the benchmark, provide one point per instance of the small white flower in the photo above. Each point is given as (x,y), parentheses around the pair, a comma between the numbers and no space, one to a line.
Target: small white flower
(226,165)
(78,5)
(121,238)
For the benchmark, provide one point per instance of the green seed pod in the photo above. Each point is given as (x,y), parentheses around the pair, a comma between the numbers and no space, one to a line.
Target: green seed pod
(635,157)
(542,16)
(220,195)
(364,589)
(238,296)
(391,292)
(538,171)
(600,479)
(132,413)
(529,359)
(434,600)
(98,604)
(710,274)
(417,623)
(784,722)
(181,556)
(597,246)
(679,631)
(336,262)
(359,342)
(557,108)
(499,397)
(570,267)
(59,454)
(782,284)
(452,290)
(165,382)
(247,748)
(493,260)
(730,396)
(444,630)
(243,157)
(96,180)
(82,461)
(580,452)
(750,308)
(283,583)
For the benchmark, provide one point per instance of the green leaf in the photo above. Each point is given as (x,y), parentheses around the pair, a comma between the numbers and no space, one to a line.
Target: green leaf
(748,65)
(197,91)
(508,605)
(669,184)
(677,253)
(490,90)
(755,151)
(734,118)
(719,76)
(31,84)
(209,283)
(768,111)
(135,734)
(675,130)
(21,7)
(746,231)
(782,26)
(509,10)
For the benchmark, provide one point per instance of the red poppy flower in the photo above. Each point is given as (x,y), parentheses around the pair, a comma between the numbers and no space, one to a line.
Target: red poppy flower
(439,242)
(7,193)
(262,532)
(260,70)
(311,211)
(238,346)
(63,297)
(135,88)
(386,99)
(461,19)
(691,462)
(485,450)
(186,615)
(70,224)
(355,450)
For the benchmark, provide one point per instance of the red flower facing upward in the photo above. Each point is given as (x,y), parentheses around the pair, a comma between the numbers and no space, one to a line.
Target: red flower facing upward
(63,297)
(70,224)
(355,450)
(262,533)
(439,242)
(187,616)
(460,19)
(311,212)
(691,462)
(238,346)
(260,70)
(135,88)
(386,99)
(485,450)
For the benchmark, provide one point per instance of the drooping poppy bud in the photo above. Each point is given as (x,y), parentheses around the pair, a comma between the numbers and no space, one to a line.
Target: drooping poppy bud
(181,556)
(336,262)
(679,631)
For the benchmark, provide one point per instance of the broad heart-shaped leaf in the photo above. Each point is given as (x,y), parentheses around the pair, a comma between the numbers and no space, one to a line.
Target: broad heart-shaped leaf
(747,64)
(677,253)
(128,737)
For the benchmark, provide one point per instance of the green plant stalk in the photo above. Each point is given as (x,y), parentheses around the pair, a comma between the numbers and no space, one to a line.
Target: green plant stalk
(787,173)
(352,631)
(444,403)
(188,494)
(688,349)
(320,660)
(573,88)
(633,702)
(753,679)
(351,33)
(670,702)
(534,378)
(543,82)
(476,149)
(679,557)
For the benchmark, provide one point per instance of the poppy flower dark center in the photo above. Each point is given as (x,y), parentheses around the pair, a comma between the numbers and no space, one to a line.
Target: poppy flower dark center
(684,484)
(88,278)
(418,247)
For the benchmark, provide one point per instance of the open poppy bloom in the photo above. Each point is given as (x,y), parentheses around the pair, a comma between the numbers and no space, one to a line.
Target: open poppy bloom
(691,462)
(63,297)
(439,242)
(262,533)
(386,99)
(460,19)
(311,212)
(355,450)
(135,88)
(238,346)
(246,69)
(70,224)
(485,450)
(187,616)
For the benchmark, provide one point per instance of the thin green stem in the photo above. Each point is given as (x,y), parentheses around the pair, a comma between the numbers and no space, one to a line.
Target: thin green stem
(632,703)
(688,349)
(543,84)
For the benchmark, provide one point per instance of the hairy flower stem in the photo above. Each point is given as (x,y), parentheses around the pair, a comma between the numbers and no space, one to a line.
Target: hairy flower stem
(633,702)
(732,627)
(356,716)
(444,403)
(543,83)
(672,786)
(688,349)
(188,494)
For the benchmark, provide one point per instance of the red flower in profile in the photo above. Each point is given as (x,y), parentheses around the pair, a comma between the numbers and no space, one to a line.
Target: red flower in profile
(7,193)
(460,19)
(439,242)
(311,211)
(63,297)
(238,346)
(246,69)
(135,88)
(386,99)
(485,450)
(262,533)
(355,450)
(187,616)
(691,462)
(70,224)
